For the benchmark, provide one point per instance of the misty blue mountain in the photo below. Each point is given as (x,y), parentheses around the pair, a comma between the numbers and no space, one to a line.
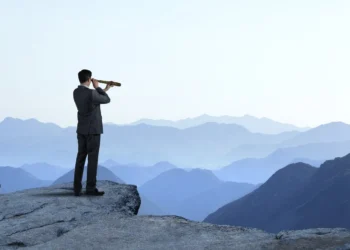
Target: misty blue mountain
(331,132)
(109,163)
(298,196)
(245,151)
(175,185)
(208,146)
(192,194)
(314,163)
(14,179)
(148,207)
(253,124)
(142,144)
(30,127)
(103,173)
(208,143)
(199,206)
(257,170)
(44,171)
(138,175)
(32,141)
(323,142)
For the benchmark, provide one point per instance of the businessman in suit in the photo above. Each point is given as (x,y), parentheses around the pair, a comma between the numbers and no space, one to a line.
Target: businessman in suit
(89,130)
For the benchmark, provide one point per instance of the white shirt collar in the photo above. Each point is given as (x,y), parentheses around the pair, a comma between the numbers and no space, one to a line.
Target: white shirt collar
(84,86)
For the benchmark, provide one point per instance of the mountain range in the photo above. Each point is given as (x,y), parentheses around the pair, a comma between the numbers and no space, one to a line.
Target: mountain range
(297,196)
(326,133)
(208,146)
(103,173)
(14,179)
(253,124)
(138,175)
(44,171)
(199,206)
(142,144)
(258,170)
(192,194)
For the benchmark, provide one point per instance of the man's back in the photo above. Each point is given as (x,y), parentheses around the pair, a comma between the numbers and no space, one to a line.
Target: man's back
(88,103)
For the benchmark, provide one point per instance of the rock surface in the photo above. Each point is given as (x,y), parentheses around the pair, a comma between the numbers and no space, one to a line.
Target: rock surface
(52,218)
(35,216)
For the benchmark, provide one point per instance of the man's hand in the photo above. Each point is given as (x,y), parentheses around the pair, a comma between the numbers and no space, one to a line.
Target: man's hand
(94,83)
(108,87)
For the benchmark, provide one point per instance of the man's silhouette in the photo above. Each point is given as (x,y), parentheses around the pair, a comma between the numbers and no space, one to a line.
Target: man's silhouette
(89,130)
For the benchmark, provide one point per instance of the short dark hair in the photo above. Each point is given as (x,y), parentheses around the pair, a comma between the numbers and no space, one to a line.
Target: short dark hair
(84,75)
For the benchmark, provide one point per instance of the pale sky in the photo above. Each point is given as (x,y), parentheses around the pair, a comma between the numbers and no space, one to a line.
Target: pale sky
(285,60)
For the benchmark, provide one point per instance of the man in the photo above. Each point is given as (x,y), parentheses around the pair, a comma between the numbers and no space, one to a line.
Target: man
(89,130)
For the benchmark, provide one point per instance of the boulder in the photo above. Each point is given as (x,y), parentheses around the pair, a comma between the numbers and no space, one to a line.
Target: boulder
(39,215)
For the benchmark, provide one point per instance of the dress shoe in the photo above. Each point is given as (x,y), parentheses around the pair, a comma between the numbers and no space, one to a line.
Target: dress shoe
(94,192)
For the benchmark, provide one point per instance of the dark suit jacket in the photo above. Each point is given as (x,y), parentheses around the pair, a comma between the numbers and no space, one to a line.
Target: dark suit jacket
(89,113)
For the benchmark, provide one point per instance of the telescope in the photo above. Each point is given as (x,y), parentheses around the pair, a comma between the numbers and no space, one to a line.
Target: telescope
(110,82)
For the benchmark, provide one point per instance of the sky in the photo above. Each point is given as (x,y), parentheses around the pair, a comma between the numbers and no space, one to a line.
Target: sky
(286,60)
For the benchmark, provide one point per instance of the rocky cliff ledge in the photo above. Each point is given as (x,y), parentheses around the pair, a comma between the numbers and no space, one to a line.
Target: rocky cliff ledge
(52,218)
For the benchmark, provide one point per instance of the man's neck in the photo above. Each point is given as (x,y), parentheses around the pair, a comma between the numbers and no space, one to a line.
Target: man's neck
(85,84)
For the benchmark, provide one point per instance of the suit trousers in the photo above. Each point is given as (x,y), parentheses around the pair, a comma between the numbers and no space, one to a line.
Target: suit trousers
(88,145)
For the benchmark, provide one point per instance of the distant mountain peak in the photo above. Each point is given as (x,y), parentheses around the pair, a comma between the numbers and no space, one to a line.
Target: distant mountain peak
(333,124)
(329,132)
(13,119)
(293,168)
(164,163)
(38,163)
(291,173)
(330,126)
(109,163)
(203,115)
(201,170)
(204,173)
(33,121)
(9,119)
(250,116)
(342,161)
(253,124)
(220,125)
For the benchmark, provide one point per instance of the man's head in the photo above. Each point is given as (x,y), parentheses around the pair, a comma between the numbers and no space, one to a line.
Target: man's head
(85,77)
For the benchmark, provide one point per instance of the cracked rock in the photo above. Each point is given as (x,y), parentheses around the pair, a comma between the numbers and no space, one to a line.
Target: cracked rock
(52,218)
(35,216)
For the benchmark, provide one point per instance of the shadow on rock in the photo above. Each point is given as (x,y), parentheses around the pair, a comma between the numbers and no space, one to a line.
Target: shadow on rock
(69,192)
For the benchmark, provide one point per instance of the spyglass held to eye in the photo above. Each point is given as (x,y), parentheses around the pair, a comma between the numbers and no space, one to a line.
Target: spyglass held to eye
(118,84)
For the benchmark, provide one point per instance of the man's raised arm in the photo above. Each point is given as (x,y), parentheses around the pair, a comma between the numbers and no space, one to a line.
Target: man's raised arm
(99,96)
